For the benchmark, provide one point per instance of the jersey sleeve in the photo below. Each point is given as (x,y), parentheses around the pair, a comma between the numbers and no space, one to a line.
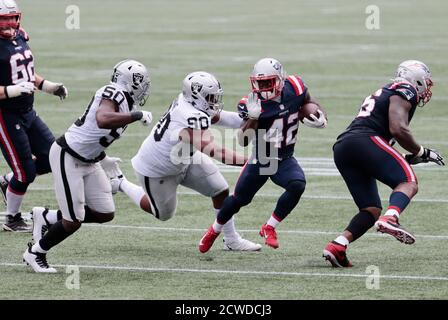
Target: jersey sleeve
(406,91)
(297,85)
(242,108)
(114,94)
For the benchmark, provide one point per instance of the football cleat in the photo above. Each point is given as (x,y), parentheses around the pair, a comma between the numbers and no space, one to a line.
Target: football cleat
(207,240)
(40,223)
(16,224)
(390,225)
(37,261)
(239,244)
(335,253)
(268,232)
(3,187)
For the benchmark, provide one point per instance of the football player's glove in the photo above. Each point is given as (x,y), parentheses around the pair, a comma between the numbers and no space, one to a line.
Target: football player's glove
(319,123)
(19,89)
(110,166)
(427,155)
(146,118)
(253,106)
(58,89)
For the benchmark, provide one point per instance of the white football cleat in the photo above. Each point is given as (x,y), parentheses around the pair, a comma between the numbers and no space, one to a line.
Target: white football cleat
(37,261)
(40,224)
(240,244)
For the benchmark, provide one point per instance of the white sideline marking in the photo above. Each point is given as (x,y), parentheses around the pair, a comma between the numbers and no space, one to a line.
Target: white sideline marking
(249,272)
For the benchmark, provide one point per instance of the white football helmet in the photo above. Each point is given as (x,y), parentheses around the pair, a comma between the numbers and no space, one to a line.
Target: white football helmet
(203,91)
(10,15)
(132,77)
(418,74)
(268,78)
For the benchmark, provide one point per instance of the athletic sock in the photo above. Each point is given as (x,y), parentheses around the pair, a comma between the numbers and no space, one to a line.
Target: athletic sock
(398,201)
(273,221)
(133,191)
(55,235)
(342,240)
(52,216)
(14,201)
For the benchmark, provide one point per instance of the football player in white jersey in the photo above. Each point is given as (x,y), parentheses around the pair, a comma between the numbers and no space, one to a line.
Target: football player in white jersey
(177,153)
(83,190)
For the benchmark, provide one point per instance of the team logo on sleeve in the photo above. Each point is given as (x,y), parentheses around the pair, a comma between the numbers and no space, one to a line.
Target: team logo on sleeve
(137,78)
(406,92)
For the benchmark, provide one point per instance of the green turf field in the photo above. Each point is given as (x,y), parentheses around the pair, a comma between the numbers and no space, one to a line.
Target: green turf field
(324,41)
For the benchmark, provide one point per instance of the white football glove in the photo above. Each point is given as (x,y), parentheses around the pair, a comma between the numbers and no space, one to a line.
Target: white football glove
(110,166)
(147,118)
(58,89)
(253,105)
(17,90)
(319,123)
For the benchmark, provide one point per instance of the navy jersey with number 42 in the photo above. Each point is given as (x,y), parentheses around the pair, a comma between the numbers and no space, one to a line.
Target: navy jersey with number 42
(373,116)
(16,66)
(279,119)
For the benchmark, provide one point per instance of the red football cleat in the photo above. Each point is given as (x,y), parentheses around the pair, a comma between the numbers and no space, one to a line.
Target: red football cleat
(390,225)
(268,232)
(335,253)
(207,240)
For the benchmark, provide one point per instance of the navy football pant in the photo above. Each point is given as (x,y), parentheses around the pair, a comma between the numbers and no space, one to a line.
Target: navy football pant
(289,175)
(363,160)
(22,136)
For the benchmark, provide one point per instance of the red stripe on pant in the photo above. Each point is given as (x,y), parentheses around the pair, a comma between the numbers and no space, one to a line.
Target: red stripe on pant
(383,144)
(14,159)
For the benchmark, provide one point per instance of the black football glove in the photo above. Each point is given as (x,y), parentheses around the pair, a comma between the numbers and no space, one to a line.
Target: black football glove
(429,155)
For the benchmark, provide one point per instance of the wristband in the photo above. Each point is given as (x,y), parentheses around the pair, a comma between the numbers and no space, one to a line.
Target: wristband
(421,151)
(41,85)
(136,115)
(6,92)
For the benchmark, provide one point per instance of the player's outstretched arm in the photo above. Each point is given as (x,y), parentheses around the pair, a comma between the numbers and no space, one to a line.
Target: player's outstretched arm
(108,116)
(247,132)
(57,89)
(203,141)
(399,128)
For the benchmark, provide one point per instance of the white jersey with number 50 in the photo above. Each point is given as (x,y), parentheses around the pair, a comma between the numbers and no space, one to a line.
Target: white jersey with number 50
(162,154)
(84,136)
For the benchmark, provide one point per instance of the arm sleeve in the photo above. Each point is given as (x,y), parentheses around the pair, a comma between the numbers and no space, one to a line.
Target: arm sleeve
(229,119)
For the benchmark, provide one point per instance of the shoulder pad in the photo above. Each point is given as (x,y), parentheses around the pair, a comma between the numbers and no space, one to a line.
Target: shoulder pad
(405,90)
(24,34)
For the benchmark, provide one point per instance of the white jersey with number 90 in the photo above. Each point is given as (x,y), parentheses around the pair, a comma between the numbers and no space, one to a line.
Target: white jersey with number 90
(162,154)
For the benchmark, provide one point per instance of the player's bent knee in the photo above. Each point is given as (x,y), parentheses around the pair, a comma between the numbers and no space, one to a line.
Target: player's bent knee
(166,213)
(296,186)
(106,217)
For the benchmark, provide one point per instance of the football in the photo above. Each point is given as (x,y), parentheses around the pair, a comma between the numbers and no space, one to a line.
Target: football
(308,109)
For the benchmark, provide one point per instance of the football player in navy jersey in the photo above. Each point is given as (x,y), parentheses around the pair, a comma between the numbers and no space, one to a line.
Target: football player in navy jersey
(271,114)
(25,140)
(363,154)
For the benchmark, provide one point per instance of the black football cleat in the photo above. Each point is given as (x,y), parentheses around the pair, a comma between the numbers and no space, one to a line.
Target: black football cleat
(16,224)
(3,187)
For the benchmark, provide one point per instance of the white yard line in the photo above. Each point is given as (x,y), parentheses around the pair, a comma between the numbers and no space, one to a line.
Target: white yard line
(243,272)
